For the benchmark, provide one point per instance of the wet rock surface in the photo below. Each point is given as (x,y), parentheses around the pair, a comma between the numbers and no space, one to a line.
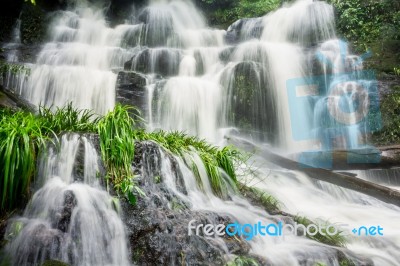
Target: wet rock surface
(131,89)
(8,99)
(158,224)
(251,107)
(244,29)
(6,102)
(162,61)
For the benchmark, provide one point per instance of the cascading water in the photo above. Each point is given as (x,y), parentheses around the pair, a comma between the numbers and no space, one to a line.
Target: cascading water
(12,47)
(70,217)
(76,65)
(207,83)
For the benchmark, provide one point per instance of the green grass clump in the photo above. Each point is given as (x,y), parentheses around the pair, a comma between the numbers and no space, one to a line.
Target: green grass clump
(243,261)
(270,203)
(117,142)
(68,119)
(22,134)
(396,71)
(217,161)
(335,240)
(6,68)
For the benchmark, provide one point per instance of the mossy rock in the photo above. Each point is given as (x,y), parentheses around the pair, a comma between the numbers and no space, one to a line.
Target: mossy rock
(54,263)
(251,106)
(385,56)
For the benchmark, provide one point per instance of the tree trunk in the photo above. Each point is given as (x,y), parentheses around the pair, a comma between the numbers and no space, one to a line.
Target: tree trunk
(377,191)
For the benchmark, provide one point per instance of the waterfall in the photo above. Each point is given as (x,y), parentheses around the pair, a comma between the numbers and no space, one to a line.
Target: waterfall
(210,83)
(70,217)
(14,45)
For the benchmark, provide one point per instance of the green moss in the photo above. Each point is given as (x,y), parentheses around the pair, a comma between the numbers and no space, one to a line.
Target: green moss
(243,261)
(390,110)
(270,203)
(346,262)
(334,240)
(6,68)
(54,263)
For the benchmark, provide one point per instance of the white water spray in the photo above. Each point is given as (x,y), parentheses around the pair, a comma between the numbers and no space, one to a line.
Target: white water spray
(70,218)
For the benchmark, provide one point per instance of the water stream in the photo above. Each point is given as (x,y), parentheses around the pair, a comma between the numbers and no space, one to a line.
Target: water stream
(70,217)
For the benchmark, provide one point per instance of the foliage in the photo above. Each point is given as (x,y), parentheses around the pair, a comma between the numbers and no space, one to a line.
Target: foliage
(33,2)
(334,240)
(19,135)
(270,203)
(346,262)
(6,68)
(396,71)
(33,24)
(118,148)
(22,135)
(213,158)
(390,109)
(364,21)
(67,118)
(243,261)
(251,8)
(226,12)
(116,139)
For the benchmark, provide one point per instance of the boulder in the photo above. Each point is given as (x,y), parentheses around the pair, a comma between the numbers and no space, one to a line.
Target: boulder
(131,89)
(162,61)
(244,29)
(250,103)
(158,224)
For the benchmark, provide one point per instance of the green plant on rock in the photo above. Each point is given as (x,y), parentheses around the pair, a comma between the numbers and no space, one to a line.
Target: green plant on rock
(396,71)
(6,68)
(116,131)
(390,110)
(68,118)
(217,161)
(243,261)
(22,134)
(33,2)
(270,203)
(335,240)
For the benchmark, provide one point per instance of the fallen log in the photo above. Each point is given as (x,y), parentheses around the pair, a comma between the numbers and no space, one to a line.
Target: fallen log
(340,160)
(377,191)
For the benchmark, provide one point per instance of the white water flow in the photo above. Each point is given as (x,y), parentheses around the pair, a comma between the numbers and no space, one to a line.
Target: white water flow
(70,217)
(76,65)
(13,46)
(203,85)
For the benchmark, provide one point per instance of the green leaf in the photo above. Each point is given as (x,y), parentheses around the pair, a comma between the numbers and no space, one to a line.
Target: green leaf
(131,197)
